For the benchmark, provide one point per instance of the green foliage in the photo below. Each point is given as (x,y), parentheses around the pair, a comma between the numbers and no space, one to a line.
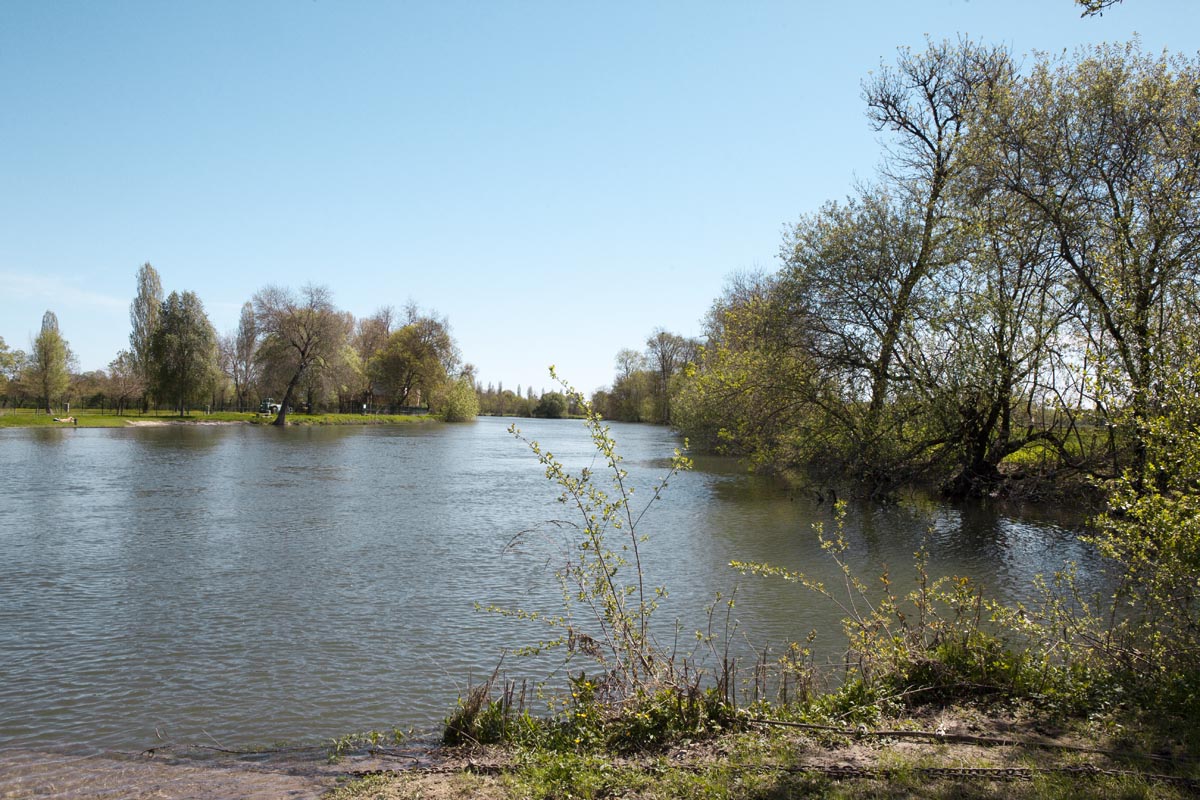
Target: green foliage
(1012,279)
(638,699)
(942,642)
(302,335)
(352,742)
(46,374)
(1151,531)
(646,384)
(607,604)
(408,366)
(480,719)
(144,313)
(459,403)
(551,405)
(183,350)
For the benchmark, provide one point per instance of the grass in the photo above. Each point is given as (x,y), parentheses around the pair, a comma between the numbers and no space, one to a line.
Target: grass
(764,764)
(1086,443)
(92,418)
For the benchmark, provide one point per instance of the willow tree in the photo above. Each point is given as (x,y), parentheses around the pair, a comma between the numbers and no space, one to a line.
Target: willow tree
(371,335)
(416,361)
(47,372)
(301,332)
(989,363)
(755,391)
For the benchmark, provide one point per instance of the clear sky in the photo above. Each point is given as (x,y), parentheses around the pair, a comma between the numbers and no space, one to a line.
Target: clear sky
(558,178)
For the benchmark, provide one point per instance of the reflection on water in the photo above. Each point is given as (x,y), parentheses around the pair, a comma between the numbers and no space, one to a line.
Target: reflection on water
(256,584)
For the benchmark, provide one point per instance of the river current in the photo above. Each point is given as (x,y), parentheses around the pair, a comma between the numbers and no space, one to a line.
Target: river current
(248,585)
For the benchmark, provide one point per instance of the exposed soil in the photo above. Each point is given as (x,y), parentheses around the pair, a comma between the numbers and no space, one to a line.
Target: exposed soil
(186,774)
(199,773)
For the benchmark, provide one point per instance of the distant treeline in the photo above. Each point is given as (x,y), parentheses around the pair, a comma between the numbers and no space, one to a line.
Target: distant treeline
(293,349)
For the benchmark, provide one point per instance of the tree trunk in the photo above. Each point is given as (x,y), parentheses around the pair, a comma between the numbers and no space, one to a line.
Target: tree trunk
(281,418)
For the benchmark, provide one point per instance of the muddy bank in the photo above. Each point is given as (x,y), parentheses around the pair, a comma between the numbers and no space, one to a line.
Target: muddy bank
(192,773)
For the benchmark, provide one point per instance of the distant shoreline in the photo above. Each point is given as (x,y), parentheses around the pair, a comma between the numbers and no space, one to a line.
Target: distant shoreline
(26,418)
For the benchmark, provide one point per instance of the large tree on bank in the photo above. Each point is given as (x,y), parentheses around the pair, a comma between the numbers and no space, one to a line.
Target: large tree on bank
(301,332)
(48,362)
(237,352)
(144,314)
(183,350)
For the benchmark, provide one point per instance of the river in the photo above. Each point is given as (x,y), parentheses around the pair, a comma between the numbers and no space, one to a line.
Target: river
(247,584)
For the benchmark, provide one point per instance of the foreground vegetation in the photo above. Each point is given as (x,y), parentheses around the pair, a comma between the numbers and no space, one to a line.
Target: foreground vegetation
(979,754)
(942,692)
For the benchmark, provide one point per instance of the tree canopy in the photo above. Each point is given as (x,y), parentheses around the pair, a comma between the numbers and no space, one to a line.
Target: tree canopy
(302,333)
(1015,274)
(49,359)
(183,350)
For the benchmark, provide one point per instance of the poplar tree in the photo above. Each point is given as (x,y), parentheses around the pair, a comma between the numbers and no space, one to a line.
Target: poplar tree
(48,362)
(144,314)
(237,352)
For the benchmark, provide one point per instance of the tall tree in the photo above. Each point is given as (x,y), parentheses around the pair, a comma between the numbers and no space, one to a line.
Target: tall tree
(183,350)
(237,351)
(8,360)
(124,384)
(13,364)
(301,332)
(859,275)
(989,366)
(630,398)
(370,337)
(144,314)
(48,362)
(409,366)
(928,100)
(756,392)
(1105,152)
(668,353)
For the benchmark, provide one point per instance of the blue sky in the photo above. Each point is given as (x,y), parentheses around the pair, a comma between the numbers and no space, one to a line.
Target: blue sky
(557,178)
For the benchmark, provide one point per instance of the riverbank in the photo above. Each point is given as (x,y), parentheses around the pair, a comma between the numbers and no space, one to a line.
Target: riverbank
(975,755)
(950,752)
(26,418)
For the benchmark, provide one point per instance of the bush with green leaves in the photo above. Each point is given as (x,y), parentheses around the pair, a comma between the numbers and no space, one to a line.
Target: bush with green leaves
(943,641)
(631,692)
(1151,532)
(458,402)
(607,604)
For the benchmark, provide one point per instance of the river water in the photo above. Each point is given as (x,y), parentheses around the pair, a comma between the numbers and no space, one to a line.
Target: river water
(247,585)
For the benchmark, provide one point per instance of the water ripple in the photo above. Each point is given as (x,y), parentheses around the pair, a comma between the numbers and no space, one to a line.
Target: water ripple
(257,585)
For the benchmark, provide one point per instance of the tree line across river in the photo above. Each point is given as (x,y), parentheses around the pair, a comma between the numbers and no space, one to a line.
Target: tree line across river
(294,350)
(293,347)
(1014,292)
